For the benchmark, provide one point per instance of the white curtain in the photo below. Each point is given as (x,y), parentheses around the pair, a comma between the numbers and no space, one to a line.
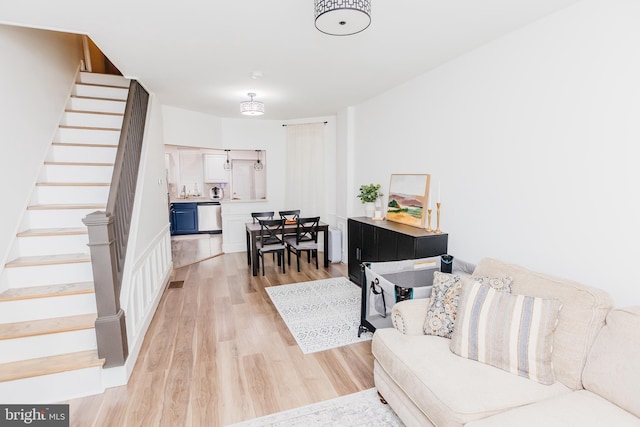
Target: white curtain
(305,169)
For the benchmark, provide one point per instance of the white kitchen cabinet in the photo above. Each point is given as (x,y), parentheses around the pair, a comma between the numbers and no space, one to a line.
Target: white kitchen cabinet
(214,170)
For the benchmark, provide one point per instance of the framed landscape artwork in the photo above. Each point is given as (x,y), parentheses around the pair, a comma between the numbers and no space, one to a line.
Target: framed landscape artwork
(408,195)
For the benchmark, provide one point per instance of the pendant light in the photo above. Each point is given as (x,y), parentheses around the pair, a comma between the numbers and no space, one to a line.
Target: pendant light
(342,17)
(227,165)
(258,165)
(252,108)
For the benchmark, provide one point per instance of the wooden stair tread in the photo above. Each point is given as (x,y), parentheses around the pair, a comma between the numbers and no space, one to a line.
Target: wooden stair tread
(30,261)
(103,113)
(47,291)
(98,98)
(85,145)
(101,85)
(47,326)
(73,184)
(49,365)
(77,164)
(88,128)
(39,232)
(67,206)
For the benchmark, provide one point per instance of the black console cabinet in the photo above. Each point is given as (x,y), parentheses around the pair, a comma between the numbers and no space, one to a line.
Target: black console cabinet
(376,241)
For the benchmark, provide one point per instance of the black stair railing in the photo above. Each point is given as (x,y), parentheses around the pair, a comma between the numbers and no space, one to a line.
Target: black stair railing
(109,232)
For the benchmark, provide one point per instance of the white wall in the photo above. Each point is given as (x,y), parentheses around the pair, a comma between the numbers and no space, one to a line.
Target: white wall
(344,174)
(36,76)
(151,213)
(534,139)
(191,128)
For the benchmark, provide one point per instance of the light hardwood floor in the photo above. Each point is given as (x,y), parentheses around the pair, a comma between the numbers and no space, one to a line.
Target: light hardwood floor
(192,248)
(217,352)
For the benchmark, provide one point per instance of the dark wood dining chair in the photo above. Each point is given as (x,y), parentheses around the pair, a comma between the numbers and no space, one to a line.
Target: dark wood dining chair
(305,240)
(256,216)
(271,240)
(261,215)
(290,216)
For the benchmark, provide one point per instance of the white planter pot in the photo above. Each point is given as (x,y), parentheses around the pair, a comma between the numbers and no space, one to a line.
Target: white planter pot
(369,208)
(378,208)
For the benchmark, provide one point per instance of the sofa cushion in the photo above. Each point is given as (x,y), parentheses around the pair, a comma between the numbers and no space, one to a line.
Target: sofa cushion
(579,408)
(445,295)
(449,389)
(582,316)
(613,365)
(510,332)
(408,316)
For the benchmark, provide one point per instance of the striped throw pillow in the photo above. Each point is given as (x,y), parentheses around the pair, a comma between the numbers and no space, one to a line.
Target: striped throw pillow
(508,331)
(445,295)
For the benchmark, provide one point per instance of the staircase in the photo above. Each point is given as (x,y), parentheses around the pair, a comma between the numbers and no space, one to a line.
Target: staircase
(47,338)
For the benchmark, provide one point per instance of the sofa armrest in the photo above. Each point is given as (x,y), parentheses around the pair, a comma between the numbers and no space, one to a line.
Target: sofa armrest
(408,316)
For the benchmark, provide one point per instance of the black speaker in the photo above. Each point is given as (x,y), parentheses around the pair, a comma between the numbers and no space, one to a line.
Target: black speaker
(446,264)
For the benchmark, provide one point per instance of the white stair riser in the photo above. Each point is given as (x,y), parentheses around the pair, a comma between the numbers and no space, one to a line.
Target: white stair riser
(91,120)
(47,308)
(87,136)
(103,79)
(45,195)
(53,388)
(98,105)
(61,153)
(24,277)
(100,92)
(70,173)
(47,245)
(47,345)
(63,218)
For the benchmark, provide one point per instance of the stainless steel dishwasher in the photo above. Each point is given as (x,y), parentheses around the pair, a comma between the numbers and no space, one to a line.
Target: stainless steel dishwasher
(209,217)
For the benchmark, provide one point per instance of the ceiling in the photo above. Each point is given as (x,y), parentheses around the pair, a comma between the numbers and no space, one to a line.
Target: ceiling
(199,55)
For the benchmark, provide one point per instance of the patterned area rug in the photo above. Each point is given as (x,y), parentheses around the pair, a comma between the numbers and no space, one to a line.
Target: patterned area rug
(357,409)
(321,314)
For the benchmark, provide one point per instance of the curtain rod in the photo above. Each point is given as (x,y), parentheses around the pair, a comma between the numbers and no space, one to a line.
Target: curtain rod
(294,124)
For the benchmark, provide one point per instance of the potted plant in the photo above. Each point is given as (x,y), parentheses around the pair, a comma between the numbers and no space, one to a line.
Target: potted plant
(368,196)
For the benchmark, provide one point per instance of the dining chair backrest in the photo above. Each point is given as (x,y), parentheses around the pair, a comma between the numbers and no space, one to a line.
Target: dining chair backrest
(271,231)
(261,215)
(290,215)
(307,229)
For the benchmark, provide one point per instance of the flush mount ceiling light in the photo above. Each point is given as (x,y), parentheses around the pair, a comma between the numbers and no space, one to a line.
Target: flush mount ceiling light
(342,17)
(258,165)
(252,108)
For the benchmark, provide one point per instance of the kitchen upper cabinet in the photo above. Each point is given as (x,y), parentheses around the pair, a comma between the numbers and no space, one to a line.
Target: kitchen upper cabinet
(214,170)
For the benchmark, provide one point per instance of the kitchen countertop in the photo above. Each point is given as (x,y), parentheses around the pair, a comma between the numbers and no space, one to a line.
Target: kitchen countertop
(208,199)
(244,201)
(199,199)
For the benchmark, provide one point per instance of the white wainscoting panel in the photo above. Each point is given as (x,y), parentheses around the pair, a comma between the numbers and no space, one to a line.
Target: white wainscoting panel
(140,297)
(234,216)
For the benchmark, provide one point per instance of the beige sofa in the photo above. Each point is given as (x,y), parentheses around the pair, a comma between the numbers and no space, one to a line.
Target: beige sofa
(595,358)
